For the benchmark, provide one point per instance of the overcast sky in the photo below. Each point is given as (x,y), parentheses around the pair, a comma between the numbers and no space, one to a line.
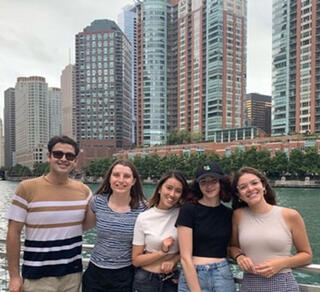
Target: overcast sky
(37,35)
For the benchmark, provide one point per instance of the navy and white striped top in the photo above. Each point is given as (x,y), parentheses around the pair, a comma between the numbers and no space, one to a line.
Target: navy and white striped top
(114,234)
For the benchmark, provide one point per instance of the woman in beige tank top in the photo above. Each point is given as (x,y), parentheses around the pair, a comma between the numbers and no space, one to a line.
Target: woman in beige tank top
(263,234)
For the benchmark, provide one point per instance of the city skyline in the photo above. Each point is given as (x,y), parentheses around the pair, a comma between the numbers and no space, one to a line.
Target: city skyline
(30,47)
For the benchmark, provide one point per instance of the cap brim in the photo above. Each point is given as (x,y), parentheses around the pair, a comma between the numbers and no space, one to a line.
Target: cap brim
(214,175)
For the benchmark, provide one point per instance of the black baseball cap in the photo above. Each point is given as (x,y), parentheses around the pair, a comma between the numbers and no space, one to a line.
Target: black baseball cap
(209,169)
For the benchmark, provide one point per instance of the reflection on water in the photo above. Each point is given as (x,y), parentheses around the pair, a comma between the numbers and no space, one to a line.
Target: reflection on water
(7,190)
(306,201)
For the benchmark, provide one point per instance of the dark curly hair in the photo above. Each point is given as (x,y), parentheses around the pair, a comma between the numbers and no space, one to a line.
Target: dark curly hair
(225,190)
(269,195)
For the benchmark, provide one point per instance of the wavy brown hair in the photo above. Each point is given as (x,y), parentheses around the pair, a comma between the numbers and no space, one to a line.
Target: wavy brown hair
(136,191)
(270,195)
(224,194)
(155,199)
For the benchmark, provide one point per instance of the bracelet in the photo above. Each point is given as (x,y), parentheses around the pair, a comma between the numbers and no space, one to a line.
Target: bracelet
(239,254)
(165,251)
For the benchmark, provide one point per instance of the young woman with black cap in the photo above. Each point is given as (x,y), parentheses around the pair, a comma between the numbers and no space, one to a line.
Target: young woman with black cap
(204,231)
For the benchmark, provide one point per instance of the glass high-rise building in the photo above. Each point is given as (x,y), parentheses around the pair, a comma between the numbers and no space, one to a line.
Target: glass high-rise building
(191,67)
(103,89)
(295,73)
(9,114)
(127,22)
(153,50)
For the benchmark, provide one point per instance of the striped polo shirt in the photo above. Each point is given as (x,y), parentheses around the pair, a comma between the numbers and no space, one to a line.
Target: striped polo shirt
(53,215)
(114,234)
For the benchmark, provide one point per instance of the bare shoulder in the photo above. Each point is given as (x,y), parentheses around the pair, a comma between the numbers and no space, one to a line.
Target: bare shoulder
(291,216)
(289,213)
(237,215)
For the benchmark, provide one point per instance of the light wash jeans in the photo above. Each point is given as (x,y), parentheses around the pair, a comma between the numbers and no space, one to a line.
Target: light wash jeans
(212,278)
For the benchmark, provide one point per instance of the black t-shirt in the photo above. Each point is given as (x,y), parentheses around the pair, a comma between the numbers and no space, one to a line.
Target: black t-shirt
(211,228)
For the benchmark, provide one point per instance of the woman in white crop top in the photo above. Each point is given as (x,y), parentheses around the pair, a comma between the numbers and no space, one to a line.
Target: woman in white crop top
(155,246)
(263,234)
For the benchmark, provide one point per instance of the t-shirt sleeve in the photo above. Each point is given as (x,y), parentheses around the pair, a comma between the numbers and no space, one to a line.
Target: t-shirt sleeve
(185,217)
(18,209)
(93,204)
(138,233)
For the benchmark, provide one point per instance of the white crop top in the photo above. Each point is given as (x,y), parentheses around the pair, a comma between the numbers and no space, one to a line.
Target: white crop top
(153,226)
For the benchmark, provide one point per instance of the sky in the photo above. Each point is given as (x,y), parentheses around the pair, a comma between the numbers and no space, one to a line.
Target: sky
(37,37)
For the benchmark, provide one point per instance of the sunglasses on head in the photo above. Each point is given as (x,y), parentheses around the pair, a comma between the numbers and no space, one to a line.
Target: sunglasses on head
(59,154)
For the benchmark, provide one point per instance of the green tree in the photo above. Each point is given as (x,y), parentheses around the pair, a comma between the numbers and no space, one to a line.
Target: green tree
(295,166)
(40,168)
(279,165)
(19,171)
(98,167)
(311,161)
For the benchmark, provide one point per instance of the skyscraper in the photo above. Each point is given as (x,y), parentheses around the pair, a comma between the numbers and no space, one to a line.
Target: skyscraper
(191,67)
(258,111)
(127,22)
(154,20)
(103,89)
(1,144)
(9,127)
(32,123)
(225,57)
(54,107)
(295,77)
(67,83)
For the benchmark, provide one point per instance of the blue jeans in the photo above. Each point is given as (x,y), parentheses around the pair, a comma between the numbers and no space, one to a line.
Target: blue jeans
(215,277)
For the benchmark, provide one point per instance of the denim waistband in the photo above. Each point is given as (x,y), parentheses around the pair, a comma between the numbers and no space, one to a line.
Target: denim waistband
(213,266)
(158,276)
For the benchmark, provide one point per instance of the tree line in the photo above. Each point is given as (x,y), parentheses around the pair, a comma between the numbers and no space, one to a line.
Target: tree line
(297,165)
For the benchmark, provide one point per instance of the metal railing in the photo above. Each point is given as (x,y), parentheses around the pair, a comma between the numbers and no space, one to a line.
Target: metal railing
(4,277)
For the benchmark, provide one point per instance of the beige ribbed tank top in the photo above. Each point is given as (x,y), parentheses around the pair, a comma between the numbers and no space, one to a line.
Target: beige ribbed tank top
(265,236)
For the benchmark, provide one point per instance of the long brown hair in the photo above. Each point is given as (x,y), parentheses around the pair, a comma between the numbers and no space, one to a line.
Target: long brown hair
(136,191)
(269,195)
(155,199)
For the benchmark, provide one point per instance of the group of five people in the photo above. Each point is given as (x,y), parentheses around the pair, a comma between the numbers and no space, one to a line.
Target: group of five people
(140,245)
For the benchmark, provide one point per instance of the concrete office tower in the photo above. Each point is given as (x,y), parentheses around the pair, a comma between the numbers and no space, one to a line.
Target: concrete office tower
(67,83)
(9,128)
(295,77)
(55,117)
(103,89)
(127,23)
(1,145)
(154,18)
(32,123)
(258,111)
(191,60)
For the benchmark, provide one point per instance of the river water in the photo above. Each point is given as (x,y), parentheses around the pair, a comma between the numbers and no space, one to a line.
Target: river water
(306,201)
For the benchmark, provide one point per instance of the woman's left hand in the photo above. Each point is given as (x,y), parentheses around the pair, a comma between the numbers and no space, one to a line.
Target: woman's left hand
(167,267)
(270,267)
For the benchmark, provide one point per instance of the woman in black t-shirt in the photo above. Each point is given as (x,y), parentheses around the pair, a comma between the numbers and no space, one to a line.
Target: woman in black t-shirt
(204,231)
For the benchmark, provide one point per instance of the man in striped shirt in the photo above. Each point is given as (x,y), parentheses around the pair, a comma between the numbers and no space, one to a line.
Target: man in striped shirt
(51,208)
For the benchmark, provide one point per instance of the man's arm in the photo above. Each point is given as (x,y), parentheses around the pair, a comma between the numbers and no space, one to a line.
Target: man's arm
(13,255)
